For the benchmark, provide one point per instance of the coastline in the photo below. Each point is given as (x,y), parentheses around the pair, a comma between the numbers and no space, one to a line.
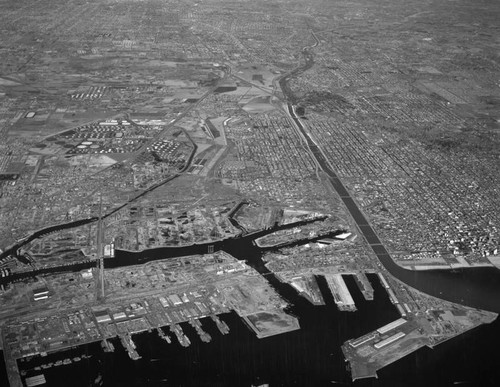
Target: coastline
(425,267)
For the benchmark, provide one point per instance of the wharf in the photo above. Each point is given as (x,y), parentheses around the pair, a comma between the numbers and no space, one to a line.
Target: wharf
(364,285)
(37,380)
(71,328)
(270,323)
(313,292)
(377,349)
(340,292)
(307,287)
(391,294)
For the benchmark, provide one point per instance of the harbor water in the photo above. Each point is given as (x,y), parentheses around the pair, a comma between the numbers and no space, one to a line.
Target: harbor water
(308,357)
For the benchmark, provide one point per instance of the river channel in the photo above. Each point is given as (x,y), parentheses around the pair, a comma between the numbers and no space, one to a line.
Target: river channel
(476,287)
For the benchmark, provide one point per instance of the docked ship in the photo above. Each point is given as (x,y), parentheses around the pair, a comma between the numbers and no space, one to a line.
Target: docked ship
(129,345)
(221,325)
(163,335)
(183,339)
(204,336)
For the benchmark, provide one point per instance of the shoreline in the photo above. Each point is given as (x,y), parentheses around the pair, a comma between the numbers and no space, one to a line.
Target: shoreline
(427,267)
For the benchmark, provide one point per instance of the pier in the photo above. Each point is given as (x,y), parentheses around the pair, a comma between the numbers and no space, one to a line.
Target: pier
(392,297)
(37,380)
(307,287)
(364,285)
(123,330)
(340,292)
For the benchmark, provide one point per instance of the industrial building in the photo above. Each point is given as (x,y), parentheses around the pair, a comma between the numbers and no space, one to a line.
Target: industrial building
(41,293)
(363,339)
(389,340)
(391,326)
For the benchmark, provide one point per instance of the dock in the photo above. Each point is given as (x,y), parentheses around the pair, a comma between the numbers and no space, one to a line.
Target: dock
(221,325)
(392,295)
(204,336)
(307,287)
(37,380)
(383,280)
(179,333)
(340,292)
(100,324)
(129,346)
(364,285)
(270,323)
